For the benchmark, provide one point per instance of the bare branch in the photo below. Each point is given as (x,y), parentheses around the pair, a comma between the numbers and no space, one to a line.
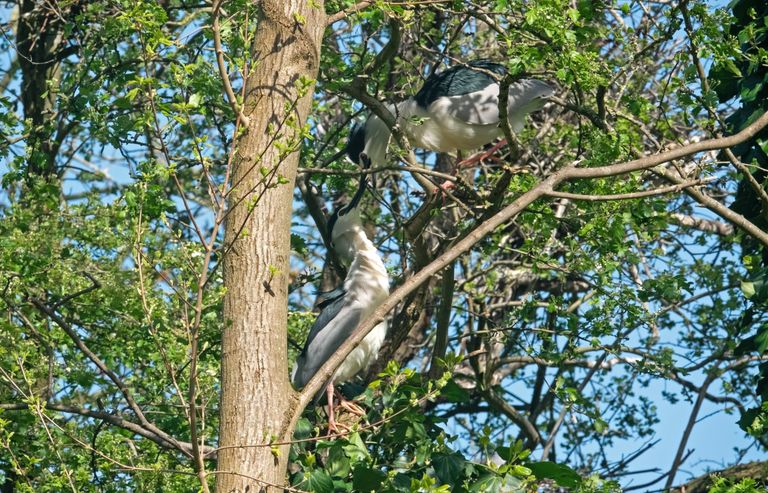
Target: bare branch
(530,431)
(678,460)
(443,320)
(343,14)
(756,470)
(113,419)
(628,196)
(462,246)
(721,210)
(706,225)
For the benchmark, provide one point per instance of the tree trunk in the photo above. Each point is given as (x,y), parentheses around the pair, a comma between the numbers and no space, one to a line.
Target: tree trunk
(257,400)
(39,38)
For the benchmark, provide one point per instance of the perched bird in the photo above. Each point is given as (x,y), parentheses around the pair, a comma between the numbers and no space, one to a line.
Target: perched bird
(343,309)
(457,109)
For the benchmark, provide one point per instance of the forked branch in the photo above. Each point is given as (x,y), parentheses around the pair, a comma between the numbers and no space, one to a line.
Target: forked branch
(463,245)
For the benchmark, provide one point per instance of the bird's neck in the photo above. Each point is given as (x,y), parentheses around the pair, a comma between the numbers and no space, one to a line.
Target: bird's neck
(365,249)
(367,266)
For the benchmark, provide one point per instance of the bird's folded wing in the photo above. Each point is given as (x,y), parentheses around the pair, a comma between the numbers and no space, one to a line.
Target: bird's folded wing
(333,326)
(482,107)
(325,298)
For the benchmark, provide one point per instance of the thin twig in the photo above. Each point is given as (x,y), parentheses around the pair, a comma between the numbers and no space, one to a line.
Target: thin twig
(223,67)
(678,460)
(127,395)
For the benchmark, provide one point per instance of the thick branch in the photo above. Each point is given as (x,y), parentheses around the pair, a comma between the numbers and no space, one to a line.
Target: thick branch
(425,274)
(754,470)
(671,155)
(343,14)
(530,431)
(721,210)
(706,225)
(443,320)
(462,246)
(629,195)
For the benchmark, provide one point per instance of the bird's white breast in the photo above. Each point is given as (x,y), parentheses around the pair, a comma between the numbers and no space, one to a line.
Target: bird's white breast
(367,286)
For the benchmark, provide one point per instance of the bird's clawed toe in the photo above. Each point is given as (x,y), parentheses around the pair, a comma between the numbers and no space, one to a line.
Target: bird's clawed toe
(352,407)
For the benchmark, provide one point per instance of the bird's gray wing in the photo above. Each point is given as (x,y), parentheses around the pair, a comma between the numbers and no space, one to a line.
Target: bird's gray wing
(333,326)
(329,308)
(325,298)
(482,107)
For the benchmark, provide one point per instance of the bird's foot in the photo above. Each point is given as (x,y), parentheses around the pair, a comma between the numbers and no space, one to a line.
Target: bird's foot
(481,156)
(333,428)
(444,187)
(352,407)
(349,405)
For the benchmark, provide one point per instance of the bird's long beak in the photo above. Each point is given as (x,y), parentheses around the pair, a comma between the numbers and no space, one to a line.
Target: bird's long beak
(366,161)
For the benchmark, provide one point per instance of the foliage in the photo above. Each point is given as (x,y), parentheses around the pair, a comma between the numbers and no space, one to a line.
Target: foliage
(723,485)
(576,322)
(747,80)
(402,449)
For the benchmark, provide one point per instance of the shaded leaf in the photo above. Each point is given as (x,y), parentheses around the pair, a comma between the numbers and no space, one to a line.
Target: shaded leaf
(560,473)
(448,467)
(365,479)
(319,481)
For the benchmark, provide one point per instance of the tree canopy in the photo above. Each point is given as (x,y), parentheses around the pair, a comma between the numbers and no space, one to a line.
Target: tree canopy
(168,168)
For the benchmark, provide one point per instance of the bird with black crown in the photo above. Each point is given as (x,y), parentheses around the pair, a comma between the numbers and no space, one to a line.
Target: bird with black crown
(455,110)
(365,287)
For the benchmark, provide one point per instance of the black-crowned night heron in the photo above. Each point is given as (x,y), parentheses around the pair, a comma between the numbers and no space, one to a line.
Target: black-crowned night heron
(457,109)
(343,309)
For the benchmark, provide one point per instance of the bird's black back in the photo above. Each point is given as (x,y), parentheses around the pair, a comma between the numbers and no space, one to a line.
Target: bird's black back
(457,81)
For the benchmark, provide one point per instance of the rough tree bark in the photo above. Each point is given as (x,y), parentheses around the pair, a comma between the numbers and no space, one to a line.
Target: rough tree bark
(39,41)
(257,400)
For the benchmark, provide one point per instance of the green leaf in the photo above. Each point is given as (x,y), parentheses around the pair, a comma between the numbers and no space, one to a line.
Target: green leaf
(453,393)
(492,483)
(600,425)
(194,100)
(337,463)
(320,482)
(365,479)
(356,449)
(560,473)
(448,467)
(761,339)
(748,288)
(303,429)
(299,244)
